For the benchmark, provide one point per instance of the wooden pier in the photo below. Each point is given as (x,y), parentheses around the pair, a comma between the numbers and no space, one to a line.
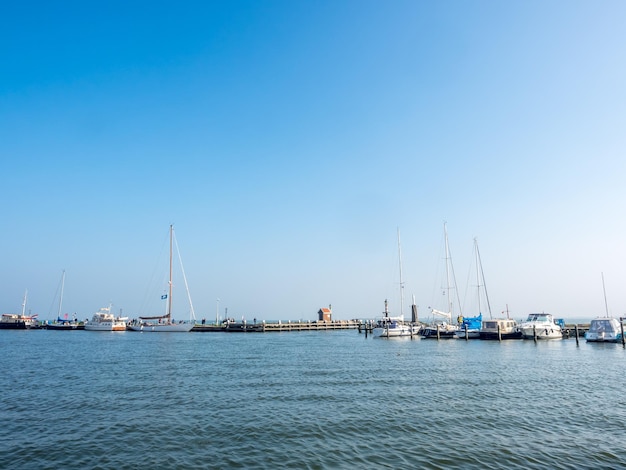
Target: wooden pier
(281,326)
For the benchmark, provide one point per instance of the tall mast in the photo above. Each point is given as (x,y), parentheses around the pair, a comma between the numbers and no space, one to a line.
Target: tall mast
(482,276)
(24,303)
(169,297)
(606,305)
(401,283)
(445,232)
(61,296)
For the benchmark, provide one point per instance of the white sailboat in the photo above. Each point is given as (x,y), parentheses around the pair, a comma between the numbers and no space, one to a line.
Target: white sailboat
(165,323)
(444,329)
(389,327)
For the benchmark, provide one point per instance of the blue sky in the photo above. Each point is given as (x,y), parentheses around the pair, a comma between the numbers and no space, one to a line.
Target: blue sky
(288,141)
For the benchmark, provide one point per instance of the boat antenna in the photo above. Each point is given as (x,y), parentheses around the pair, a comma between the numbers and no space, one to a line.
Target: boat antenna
(606,305)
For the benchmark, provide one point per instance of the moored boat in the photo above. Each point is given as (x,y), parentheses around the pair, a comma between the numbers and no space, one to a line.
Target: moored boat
(540,326)
(16,321)
(393,327)
(441,326)
(500,329)
(104,320)
(604,330)
(165,323)
(19,321)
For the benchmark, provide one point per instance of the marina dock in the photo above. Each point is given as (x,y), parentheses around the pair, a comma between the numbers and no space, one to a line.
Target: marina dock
(265,327)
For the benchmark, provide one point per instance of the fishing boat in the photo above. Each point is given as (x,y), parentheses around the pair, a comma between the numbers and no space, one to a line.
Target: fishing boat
(500,329)
(19,321)
(104,320)
(391,327)
(442,326)
(604,330)
(540,326)
(165,323)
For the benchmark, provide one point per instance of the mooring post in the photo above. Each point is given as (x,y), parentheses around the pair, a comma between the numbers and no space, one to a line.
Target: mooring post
(576,332)
(466,333)
(535,333)
(621,325)
(437,331)
(499,333)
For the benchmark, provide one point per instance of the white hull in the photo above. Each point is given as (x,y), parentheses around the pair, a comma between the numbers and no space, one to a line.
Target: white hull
(471,334)
(396,331)
(161,327)
(105,326)
(604,330)
(540,326)
(543,332)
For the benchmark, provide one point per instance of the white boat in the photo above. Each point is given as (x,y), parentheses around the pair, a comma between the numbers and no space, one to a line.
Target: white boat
(604,330)
(165,323)
(104,320)
(393,327)
(19,321)
(500,329)
(541,326)
(442,327)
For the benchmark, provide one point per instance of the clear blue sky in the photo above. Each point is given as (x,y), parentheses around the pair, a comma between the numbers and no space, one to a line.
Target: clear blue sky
(287,141)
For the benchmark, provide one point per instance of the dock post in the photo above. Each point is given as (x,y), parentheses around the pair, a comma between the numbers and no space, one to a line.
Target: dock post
(466,333)
(621,325)
(365,331)
(576,333)
(499,333)
(535,333)
(438,336)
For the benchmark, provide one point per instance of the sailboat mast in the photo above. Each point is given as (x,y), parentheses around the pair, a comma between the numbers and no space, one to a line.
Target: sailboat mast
(482,276)
(606,305)
(24,302)
(477,272)
(401,283)
(61,296)
(169,296)
(445,232)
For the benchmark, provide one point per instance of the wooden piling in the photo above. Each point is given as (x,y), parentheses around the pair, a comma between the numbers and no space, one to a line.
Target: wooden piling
(438,335)
(621,325)
(576,333)
(499,333)
(535,333)
(466,333)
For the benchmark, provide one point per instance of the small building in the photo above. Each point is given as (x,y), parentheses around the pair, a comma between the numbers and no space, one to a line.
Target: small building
(325,314)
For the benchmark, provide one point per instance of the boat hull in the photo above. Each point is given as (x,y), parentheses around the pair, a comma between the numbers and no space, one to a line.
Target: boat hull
(544,333)
(161,327)
(105,327)
(488,335)
(396,332)
(431,333)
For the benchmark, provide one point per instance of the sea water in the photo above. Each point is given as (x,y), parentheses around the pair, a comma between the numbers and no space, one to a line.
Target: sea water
(317,400)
